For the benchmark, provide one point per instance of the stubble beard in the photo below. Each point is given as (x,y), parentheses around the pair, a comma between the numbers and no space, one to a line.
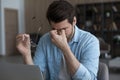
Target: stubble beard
(69,37)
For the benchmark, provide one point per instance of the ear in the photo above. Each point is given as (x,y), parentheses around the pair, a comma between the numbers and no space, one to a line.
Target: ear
(74,21)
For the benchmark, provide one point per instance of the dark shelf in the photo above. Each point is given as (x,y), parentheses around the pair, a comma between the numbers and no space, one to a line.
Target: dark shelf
(102,20)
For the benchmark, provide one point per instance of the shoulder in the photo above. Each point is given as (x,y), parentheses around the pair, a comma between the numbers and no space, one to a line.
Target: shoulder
(45,36)
(87,36)
(45,39)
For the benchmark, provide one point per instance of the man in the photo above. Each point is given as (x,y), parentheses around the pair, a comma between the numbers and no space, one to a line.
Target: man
(66,52)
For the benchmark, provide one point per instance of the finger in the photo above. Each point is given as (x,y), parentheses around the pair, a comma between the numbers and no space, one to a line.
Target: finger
(53,33)
(20,36)
(23,37)
(26,37)
(59,32)
(63,32)
(19,39)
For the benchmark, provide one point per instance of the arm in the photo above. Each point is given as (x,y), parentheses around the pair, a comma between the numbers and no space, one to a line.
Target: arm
(23,46)
(86,68)
(71,61)
(61,41)
(89,59)
(28,60)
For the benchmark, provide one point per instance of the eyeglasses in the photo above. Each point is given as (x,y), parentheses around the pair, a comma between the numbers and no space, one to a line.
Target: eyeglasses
(34,43)
(37,23)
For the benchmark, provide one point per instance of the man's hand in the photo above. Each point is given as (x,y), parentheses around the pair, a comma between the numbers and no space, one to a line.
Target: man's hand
(59,38)
(23,44)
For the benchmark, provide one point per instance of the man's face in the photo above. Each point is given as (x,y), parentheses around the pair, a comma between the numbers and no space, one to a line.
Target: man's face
(63,25)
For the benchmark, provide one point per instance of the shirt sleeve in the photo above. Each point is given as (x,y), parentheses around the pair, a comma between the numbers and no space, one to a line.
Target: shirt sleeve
(89,60)
(82,74)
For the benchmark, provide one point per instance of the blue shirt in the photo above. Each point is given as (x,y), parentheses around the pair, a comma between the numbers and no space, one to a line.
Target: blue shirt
(85,48)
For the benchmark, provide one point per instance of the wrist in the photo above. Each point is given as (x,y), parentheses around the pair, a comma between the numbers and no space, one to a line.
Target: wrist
(28,55)
(28,59)
(65,49)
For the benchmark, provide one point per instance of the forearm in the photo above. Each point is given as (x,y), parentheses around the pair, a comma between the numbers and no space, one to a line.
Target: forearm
(71,61)
(76,69)
(28,60)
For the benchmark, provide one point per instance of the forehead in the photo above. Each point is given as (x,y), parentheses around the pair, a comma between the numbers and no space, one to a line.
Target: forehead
(61,24)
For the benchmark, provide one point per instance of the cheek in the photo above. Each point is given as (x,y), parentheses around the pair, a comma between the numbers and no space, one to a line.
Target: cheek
(68,33)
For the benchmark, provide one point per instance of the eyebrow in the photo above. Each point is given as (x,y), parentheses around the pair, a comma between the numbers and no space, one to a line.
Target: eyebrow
(60,29)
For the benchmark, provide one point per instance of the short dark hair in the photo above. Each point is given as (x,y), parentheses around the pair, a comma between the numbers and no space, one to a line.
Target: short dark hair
(59,11)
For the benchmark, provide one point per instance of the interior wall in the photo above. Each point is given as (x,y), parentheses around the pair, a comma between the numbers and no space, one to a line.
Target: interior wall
(12,4)
(35,13)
